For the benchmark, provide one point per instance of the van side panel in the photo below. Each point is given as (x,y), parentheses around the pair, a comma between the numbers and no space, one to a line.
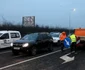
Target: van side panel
(7,42)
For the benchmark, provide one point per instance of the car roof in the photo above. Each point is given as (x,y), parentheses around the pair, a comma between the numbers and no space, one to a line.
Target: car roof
(39,33)
(43,33)
(54,32)
(5,31)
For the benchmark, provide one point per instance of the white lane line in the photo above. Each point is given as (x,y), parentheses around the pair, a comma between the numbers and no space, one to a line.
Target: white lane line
(5,52)
(28,60)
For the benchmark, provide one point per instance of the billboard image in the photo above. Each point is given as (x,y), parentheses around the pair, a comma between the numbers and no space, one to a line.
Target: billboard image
(28,21)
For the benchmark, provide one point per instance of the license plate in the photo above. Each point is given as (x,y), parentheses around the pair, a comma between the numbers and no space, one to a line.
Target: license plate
(17,48)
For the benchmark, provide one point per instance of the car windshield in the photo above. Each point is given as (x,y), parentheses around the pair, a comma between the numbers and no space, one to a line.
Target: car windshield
(32,36)
(54,35)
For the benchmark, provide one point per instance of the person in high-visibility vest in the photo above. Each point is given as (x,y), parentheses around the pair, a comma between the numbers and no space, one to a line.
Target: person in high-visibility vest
(62,37)
(73,42)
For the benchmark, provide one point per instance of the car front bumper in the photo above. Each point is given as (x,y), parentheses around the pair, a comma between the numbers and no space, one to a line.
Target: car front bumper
(21,49)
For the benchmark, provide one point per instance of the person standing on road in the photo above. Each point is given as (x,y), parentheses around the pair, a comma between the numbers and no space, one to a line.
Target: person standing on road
(62,37)
(73,42)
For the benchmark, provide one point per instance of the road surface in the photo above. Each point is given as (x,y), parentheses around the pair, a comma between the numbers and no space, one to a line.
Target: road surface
(44,60)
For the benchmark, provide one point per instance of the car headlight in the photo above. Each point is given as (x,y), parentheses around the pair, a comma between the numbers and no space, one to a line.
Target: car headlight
(25,45)
(11,44)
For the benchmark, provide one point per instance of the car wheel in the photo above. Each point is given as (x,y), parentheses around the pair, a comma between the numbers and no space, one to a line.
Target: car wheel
(33,51)
(15,52)
(50,47)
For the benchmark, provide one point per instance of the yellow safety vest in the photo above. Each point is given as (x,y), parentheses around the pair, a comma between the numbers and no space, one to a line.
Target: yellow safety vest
(73,38)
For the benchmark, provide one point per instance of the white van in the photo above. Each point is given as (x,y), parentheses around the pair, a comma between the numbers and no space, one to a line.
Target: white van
(7,37)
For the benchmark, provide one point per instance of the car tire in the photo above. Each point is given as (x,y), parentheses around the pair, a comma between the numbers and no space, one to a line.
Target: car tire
(15,52)
(33,51)
(50,47)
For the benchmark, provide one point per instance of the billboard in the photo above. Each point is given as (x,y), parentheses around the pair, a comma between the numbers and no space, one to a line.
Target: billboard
(28,21)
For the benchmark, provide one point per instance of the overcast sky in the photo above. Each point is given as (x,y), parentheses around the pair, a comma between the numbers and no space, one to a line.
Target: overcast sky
(46,12)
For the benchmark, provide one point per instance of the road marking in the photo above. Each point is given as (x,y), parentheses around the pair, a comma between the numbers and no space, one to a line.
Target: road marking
(11,65)
(66,58)
(5,52)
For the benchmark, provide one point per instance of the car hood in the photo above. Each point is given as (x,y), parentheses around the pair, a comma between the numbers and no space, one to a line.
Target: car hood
(24,41)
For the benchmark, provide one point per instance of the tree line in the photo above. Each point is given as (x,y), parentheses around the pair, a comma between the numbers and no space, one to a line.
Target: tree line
(26,30)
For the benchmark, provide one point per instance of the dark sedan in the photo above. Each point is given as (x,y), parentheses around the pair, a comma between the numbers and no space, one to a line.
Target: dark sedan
(32,43)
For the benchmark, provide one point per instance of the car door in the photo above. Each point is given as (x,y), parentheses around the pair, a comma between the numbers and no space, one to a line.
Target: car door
(40,41)
(5,40)
(45,41)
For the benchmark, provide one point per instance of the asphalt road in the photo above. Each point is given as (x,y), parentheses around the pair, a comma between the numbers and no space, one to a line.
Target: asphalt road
(44,60)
